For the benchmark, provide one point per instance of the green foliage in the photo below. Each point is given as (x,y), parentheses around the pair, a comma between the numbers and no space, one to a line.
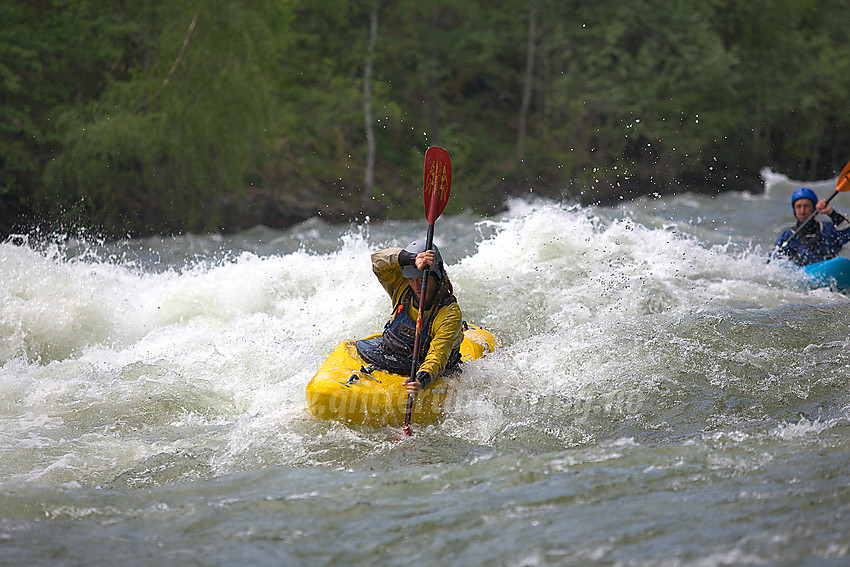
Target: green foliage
(177,115)
(169,148)
(18,52)
(52,56)
(638,96)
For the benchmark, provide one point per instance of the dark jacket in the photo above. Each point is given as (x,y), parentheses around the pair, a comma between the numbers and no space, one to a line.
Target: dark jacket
(818,241)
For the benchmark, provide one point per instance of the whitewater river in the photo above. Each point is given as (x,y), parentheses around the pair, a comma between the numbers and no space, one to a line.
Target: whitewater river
(661,396)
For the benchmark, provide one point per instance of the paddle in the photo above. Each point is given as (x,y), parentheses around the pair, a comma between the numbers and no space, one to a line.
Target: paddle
(843,184)
(438,183)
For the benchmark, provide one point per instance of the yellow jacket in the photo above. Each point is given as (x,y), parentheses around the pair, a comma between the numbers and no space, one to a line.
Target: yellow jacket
(447,325)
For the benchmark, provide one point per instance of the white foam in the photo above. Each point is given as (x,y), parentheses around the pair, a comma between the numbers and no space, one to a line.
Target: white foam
(106,363)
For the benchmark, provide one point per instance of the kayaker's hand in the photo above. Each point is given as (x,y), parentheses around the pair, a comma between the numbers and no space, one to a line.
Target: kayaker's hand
(425,259)
(824,207)
(412,387)
(422,380)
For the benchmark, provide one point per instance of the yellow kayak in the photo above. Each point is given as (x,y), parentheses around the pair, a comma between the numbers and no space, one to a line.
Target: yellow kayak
(347,389)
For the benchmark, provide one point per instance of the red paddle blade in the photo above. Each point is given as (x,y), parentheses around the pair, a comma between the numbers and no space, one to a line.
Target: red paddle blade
(438,182)
(403,434)
(843,183)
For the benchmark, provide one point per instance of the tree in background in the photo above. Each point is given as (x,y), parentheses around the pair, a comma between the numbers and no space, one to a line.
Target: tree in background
(170,147)
(51,60)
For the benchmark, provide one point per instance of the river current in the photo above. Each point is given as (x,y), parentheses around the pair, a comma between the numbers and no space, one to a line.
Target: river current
(661,395)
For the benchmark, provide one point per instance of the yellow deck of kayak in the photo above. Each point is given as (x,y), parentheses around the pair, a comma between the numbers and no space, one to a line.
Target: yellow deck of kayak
(342,391)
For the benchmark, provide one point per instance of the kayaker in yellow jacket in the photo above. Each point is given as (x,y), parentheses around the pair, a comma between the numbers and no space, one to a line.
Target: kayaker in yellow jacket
(400,273)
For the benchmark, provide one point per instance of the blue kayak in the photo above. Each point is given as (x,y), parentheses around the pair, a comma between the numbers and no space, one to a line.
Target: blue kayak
(834,273)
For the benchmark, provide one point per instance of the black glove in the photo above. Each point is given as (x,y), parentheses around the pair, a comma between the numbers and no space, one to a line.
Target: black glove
(424,378)
(836,217)
(406,258)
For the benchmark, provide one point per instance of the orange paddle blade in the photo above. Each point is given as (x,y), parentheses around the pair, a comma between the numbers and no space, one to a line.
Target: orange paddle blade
(438,182)
(843,183)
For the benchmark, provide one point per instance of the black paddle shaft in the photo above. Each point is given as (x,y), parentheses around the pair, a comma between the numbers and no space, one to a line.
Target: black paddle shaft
(414,367)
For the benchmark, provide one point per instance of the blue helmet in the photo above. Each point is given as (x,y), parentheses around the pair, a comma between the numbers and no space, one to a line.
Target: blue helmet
(804,193)
(416,247)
